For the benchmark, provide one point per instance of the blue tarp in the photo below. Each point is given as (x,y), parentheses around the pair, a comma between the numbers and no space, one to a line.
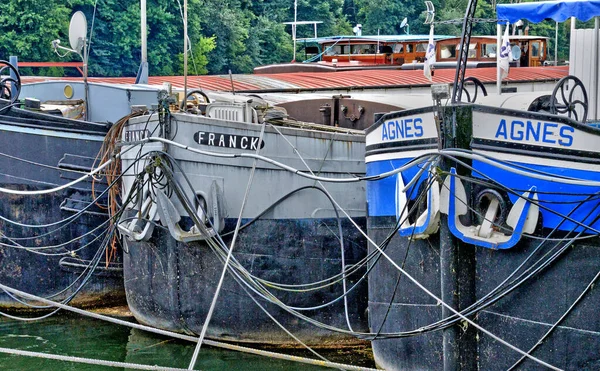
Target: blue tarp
(559,11)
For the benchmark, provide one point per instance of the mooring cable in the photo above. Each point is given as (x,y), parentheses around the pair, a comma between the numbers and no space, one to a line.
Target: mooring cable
(233,240)
(88,361)
(382,252)
(194,339)
(416,161)
(557,323)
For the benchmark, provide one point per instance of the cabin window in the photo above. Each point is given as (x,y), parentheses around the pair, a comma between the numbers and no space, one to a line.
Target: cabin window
(472,50)
(535,49)
(488,50)
(335,50)
(363,49)
(422,47)
(448,51)
(399,48)
(409,48)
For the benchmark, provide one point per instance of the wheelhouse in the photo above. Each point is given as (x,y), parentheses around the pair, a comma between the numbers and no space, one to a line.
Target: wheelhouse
(391,50)
(528,51)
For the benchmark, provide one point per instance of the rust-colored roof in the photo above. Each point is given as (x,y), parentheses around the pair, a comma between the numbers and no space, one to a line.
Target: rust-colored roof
(342,80)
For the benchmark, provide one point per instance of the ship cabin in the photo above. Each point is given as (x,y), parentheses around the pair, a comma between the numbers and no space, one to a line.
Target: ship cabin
(343,53)
(375,50)
(528,51)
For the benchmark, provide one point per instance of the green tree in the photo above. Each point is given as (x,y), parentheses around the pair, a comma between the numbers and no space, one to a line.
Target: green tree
(27,29)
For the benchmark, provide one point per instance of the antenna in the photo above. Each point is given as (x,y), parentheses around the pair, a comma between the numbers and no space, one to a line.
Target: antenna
(405,24)
(429,13)
(78,42)
(77,31)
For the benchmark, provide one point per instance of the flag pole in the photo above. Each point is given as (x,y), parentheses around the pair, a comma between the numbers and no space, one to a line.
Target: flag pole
(498,46)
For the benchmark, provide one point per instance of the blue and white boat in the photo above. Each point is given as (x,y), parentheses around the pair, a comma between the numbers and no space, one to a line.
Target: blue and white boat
(508,281)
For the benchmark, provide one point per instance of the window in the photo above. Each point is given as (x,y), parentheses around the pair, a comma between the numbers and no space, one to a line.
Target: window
(422,47)
(399,48)
(472,51)
(409,48)
(535,49)
(335,50)
(448,51)
(363,49)
(488,50)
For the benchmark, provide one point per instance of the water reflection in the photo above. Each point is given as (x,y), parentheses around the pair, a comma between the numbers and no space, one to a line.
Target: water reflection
(72,335)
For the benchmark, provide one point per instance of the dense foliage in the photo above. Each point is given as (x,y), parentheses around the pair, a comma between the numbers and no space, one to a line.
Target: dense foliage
(225,35)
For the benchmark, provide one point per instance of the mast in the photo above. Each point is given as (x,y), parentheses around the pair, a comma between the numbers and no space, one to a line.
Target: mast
(142,76)
(294,27)
(185,50)
(465,40)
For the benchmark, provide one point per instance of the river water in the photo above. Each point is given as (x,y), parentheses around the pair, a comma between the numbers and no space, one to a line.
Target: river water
(73,335)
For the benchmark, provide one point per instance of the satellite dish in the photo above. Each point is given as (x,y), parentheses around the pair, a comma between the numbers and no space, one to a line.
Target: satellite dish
(404,21)
(516,52)
(77,31)
(430,12)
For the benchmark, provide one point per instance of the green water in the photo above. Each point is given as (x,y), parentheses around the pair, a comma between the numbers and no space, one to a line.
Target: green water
(73,335)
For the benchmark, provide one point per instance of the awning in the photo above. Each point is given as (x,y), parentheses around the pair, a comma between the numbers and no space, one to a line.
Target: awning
(559,11)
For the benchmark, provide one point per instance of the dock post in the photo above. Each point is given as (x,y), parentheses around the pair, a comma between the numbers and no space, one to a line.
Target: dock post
(15,62)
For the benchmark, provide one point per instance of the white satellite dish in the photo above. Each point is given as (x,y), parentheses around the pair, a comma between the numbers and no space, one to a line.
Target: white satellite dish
(77,31)
(404,21)
(516,52)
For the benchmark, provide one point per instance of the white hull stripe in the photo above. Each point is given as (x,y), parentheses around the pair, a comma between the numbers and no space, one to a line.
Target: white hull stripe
(538,161)
(51,133)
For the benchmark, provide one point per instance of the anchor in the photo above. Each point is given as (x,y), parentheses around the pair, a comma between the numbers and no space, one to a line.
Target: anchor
(170,217)
(522,217)
(428,222)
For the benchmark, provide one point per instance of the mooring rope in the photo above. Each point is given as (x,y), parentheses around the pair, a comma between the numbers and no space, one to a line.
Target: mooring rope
(89,361)
(213,343)
(228,259)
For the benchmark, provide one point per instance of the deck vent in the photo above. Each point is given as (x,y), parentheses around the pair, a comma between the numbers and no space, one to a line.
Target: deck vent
(232,112)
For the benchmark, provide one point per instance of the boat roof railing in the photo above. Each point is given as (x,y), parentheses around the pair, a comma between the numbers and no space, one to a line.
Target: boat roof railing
(559,11)
(513,37)
(381,38)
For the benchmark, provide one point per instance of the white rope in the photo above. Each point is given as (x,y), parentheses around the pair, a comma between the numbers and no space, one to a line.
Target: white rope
(194,339)
(286,167)
(548,178)
(88,361)
(439,300)
(59,188)
(228,259)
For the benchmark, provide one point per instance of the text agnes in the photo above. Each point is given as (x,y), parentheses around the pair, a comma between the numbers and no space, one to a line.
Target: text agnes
(228,140)
(402,129)
(536,131)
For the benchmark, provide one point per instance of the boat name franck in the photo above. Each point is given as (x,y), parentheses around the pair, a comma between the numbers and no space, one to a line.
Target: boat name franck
(136,135)
(228,140)
(402,129)
(542,132)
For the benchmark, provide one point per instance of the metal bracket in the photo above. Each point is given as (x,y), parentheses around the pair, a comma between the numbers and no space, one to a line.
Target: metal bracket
(428,222)
(169,217)
(140,228)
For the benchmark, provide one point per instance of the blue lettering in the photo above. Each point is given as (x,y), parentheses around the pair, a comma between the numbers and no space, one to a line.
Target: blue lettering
(533,132)
(418,128)
(519,134)
(565,135)
(384,133)
(399,129)
(548,133)
(407,128)
(392,129)
(501,129)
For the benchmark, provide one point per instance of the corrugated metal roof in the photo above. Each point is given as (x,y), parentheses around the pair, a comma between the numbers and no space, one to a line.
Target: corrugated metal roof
(343,80)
